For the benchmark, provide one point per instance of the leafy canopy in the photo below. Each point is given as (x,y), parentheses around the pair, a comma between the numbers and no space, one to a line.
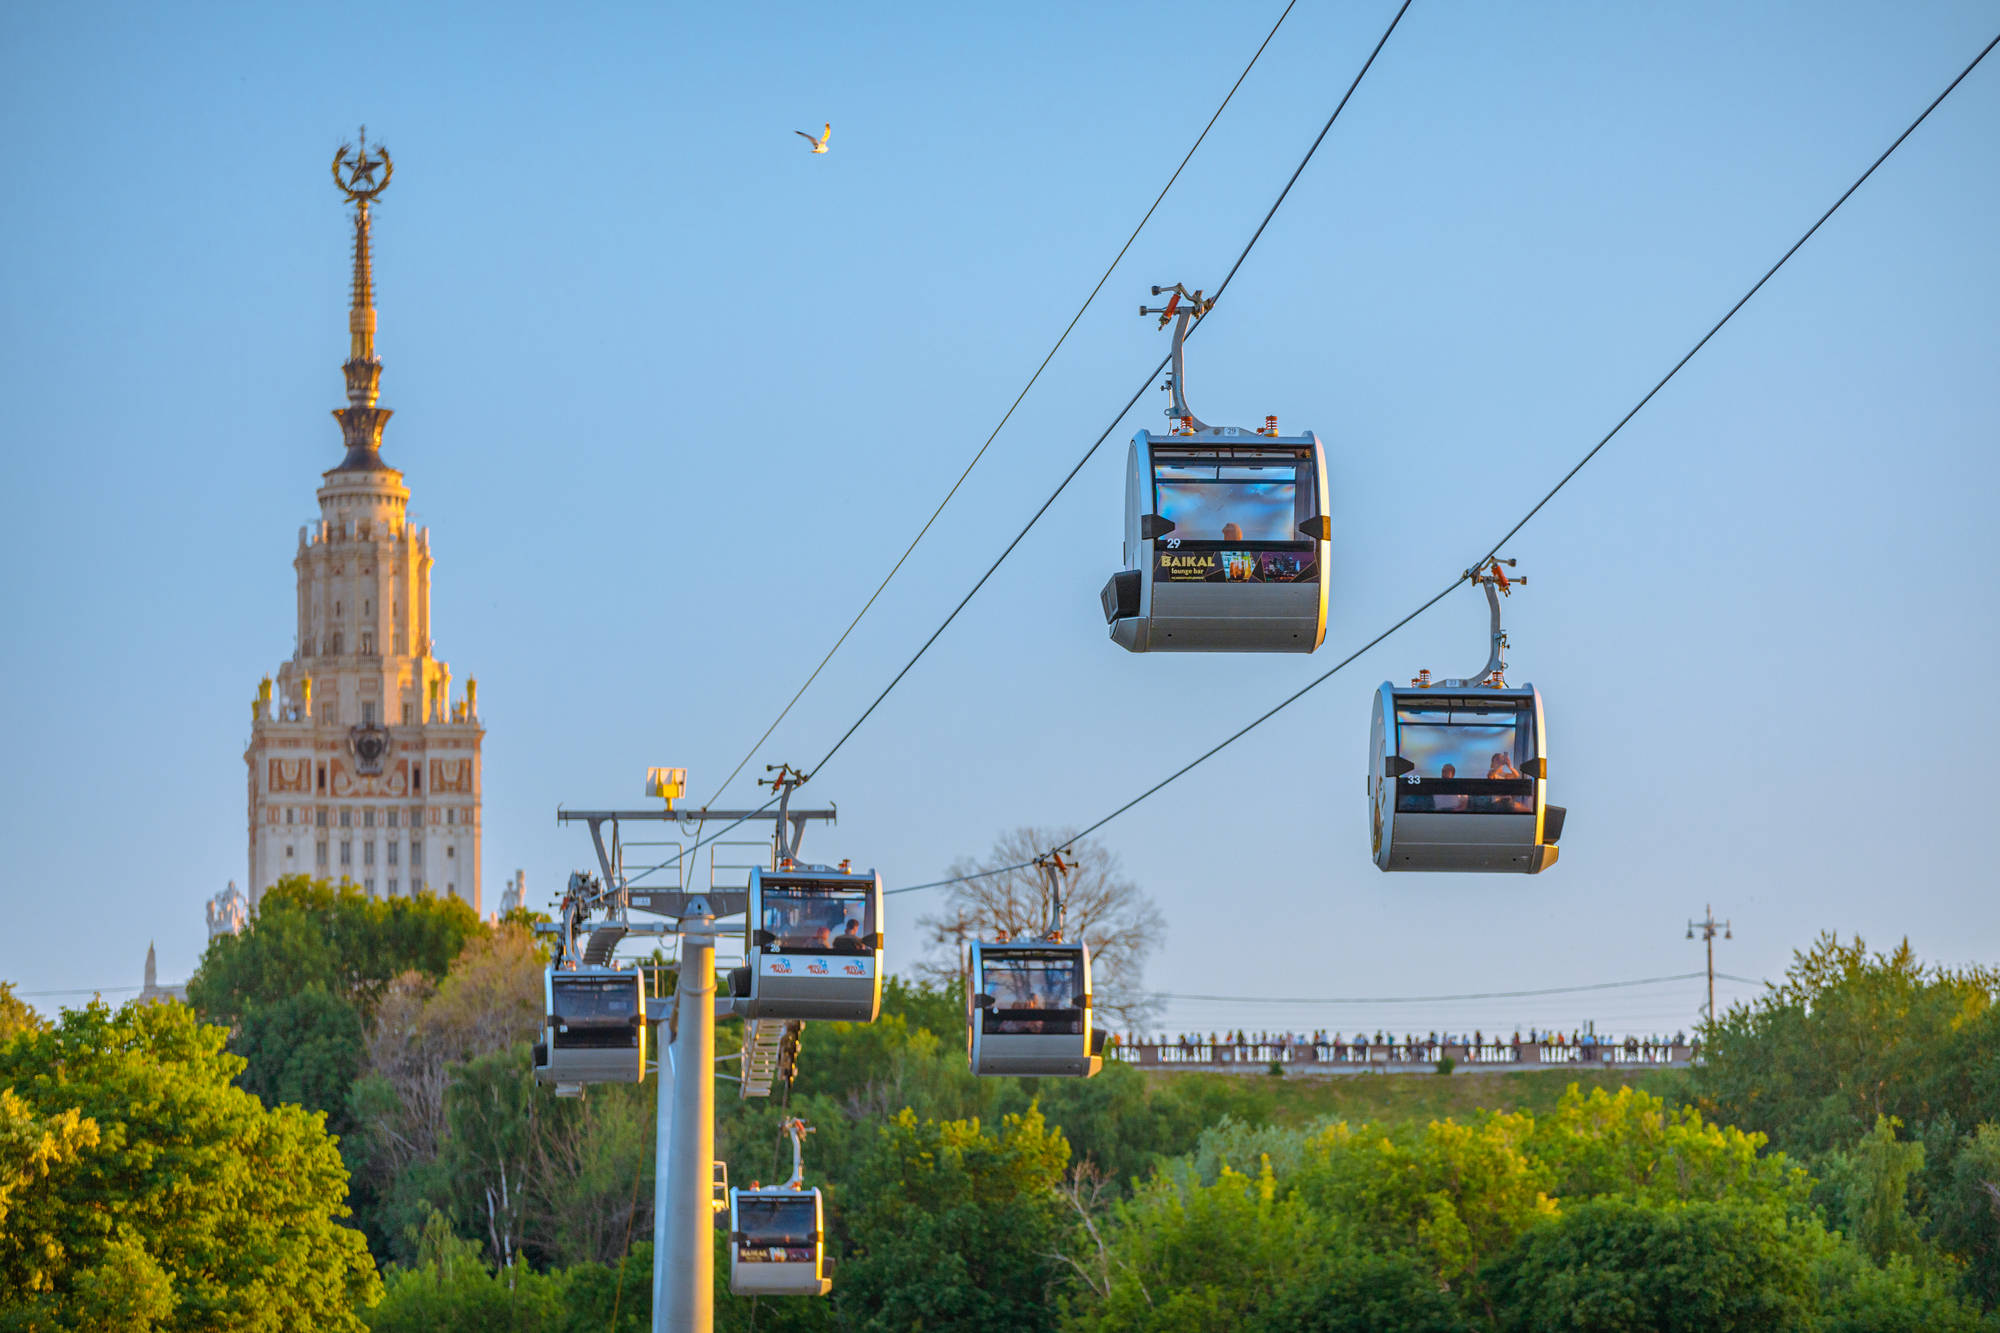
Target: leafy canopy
(185,1205)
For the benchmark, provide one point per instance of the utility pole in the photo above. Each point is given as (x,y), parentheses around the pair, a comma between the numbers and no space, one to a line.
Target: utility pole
(684,1137)
(1708,925)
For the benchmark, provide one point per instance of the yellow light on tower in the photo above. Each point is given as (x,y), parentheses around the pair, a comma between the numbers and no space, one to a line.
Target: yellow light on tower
(667,784)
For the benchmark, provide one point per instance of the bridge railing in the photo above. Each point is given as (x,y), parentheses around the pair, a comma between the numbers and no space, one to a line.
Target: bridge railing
(1357,1056)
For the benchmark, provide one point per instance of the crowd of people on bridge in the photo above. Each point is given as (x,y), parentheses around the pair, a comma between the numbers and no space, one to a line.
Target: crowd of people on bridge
(1334,1046)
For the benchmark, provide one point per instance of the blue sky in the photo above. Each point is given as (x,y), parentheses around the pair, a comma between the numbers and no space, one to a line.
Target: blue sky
(672,394)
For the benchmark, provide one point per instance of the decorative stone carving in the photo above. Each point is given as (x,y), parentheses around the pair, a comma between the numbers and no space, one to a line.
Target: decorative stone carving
(228,912)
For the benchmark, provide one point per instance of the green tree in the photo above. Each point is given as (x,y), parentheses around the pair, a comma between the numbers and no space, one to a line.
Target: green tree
(954,1227)
(16,1014)
(1850,1036)
(1197,1257)
(489,1001)
(197,1206)
(1454,1196)
(296,987)
(1340,1289)
(1617,1266)
(1964,1208)
(449,1290)
(1627,1143)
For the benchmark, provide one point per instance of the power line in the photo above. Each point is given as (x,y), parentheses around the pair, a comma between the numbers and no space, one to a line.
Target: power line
(1430,999)
(1151,376)
(1323,677)
(77,990)
(1435,999)
(1008,415)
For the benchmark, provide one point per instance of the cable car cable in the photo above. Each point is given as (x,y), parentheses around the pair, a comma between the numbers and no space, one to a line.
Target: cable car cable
(1008,415)
(1323,677)
(1130,403)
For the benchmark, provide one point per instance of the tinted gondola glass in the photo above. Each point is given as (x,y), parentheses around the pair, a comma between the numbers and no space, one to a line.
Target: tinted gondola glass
(813,946)
(1226,544)
(595,1030)
(1029,1010)
(1457,781)
(777,1243)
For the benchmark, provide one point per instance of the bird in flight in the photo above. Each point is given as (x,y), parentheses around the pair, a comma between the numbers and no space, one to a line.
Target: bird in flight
(819,144)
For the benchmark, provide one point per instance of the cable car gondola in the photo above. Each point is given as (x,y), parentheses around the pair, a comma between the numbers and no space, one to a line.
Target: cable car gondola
(813,944)
(1458,775)
(777,1234)
(1028,1007)
(1226,539)
(595,1030)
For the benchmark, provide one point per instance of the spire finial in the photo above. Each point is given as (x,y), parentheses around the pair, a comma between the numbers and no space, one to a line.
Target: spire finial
(355,174)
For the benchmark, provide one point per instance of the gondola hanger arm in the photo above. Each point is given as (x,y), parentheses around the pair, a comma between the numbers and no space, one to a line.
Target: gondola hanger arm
(1182,309)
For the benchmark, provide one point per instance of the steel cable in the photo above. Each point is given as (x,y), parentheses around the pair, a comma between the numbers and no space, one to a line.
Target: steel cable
(1009,413)
(1567,477)
(1130,403)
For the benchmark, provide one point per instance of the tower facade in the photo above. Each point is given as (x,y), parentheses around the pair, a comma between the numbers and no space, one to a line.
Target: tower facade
(362,764)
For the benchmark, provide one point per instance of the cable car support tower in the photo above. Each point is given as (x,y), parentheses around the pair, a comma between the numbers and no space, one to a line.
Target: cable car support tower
(684,1147)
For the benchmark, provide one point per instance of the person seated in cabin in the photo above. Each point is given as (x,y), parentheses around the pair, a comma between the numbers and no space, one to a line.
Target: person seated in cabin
(1232,532)
(849,940)
(822,938)
(1502,769)
(1451,804)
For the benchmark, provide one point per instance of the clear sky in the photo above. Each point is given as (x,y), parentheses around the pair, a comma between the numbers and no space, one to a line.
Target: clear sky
(672,393)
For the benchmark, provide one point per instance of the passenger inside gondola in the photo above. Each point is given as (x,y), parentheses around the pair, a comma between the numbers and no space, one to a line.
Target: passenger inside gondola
(1445,738)
(1032,995)
(809,919)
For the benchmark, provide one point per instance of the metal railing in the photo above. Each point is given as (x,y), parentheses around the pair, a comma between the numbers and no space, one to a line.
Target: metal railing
(1343,1056)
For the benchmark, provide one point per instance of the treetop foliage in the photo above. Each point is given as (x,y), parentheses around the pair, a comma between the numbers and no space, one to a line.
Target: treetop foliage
(159,1195)
(1849,1036)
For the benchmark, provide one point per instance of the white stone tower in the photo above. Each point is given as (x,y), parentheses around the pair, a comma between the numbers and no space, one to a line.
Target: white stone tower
(365,769)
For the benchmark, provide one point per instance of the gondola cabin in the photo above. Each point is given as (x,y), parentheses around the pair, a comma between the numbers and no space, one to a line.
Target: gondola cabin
(1458,780)
(1226,544)
(1028,1010)
(595,1028)
(777,1242)
(814,944)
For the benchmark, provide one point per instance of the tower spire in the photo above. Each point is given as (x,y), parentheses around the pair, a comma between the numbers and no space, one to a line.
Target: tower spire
(361,421)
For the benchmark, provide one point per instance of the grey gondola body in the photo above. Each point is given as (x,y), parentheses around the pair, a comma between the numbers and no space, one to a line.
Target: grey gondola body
(1029,1012)
(789,973)
(1421,820)
(777,1242)
(1186,585)
(594,1029)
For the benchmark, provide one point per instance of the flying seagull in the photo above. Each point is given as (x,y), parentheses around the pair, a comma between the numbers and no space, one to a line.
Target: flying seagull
(819,144)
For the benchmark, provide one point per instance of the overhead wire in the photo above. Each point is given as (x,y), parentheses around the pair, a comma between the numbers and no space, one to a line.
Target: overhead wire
(1491,551)
(1432,999)
(1009,413)
(1089,453)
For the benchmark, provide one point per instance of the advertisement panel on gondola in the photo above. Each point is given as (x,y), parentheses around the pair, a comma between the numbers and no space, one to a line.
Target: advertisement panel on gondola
(843,965)
(1179,565)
